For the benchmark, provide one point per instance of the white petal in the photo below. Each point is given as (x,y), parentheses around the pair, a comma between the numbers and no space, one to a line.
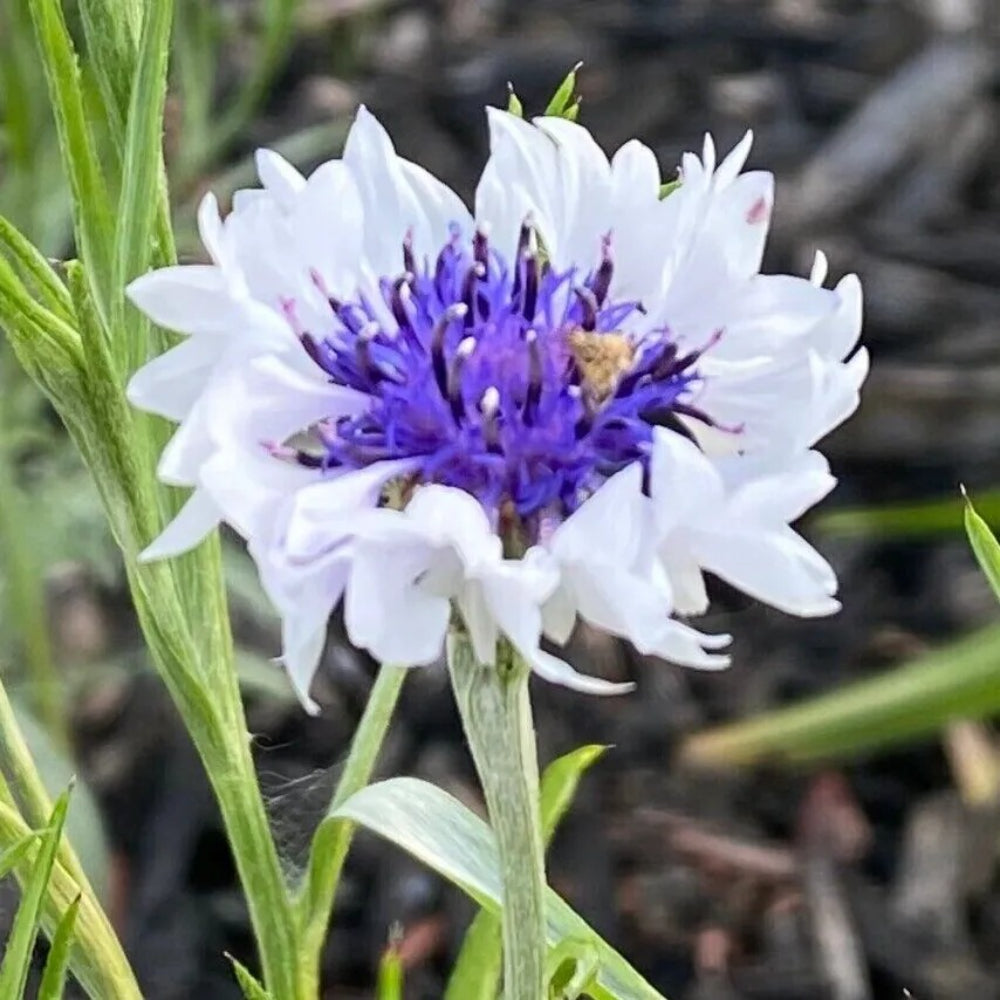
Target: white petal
(171,383)
(734,162)
(682,480)
(608,520)
(282,180)
(820,269)
(328,223)
(559,614)
(557,671)
(188,298)
(328,511)
(453,516)
(772,567)
(194,522)
(387,612)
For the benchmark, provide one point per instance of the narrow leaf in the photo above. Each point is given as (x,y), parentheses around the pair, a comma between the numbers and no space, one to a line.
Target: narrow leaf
(439,831)
(21,941)
(143,160)
(959,680)
(251,988)
(669,188)
(984,544)
(16,853)
(57,964)
(91,207)
(37,271)
(560,782)
(477,971)
(112,31)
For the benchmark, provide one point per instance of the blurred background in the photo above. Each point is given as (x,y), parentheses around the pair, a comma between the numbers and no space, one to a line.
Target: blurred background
(847,851)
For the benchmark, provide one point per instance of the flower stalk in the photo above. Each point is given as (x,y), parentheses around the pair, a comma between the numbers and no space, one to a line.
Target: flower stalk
(496,714)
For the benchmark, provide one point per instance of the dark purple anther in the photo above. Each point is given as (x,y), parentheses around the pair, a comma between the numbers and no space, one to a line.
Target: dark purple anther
(530,298)
(534,393)
(481,248)
(601,283)
(409,263)
(589,306)
(473,276)
(438,363)
(312,349)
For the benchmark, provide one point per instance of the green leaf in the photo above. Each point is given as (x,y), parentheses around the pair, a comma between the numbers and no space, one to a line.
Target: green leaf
(57,964)
(143,164)
(560,782)
(984,544)
(16,853)
(439,831)
(666,190)
(112,30)
(21,941)
(43,281)
(957,681)
(477,971)
(91,206)
(251,988)
(564,103)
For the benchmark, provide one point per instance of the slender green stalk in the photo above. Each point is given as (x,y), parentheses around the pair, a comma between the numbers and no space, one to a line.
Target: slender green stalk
(496,715)
(333,839)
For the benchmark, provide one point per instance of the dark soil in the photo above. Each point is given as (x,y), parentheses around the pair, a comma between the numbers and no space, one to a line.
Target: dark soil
(879,119)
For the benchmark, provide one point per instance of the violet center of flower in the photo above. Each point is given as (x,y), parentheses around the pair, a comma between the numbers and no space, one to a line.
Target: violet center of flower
(511,380)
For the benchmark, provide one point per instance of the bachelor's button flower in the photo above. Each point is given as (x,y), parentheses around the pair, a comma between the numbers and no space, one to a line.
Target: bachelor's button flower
(571,405)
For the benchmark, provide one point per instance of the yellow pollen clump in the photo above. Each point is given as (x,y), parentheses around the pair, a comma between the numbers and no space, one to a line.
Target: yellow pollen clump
(603,358)
(397,492)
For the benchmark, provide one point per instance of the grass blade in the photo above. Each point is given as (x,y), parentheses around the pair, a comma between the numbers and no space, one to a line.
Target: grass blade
(21,942)
(16,853)
(57,964)
(984,544)
(957,681)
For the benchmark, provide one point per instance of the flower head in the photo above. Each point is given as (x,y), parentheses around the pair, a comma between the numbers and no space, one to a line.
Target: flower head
(571,403)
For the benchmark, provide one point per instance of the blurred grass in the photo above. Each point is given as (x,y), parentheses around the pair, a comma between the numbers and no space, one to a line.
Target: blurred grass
(957,682)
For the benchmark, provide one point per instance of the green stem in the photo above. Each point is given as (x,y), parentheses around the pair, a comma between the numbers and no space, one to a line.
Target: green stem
(212,709)
(333,839)
(496,715)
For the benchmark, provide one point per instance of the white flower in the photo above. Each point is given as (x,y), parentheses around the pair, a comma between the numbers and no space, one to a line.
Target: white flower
(418,412)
